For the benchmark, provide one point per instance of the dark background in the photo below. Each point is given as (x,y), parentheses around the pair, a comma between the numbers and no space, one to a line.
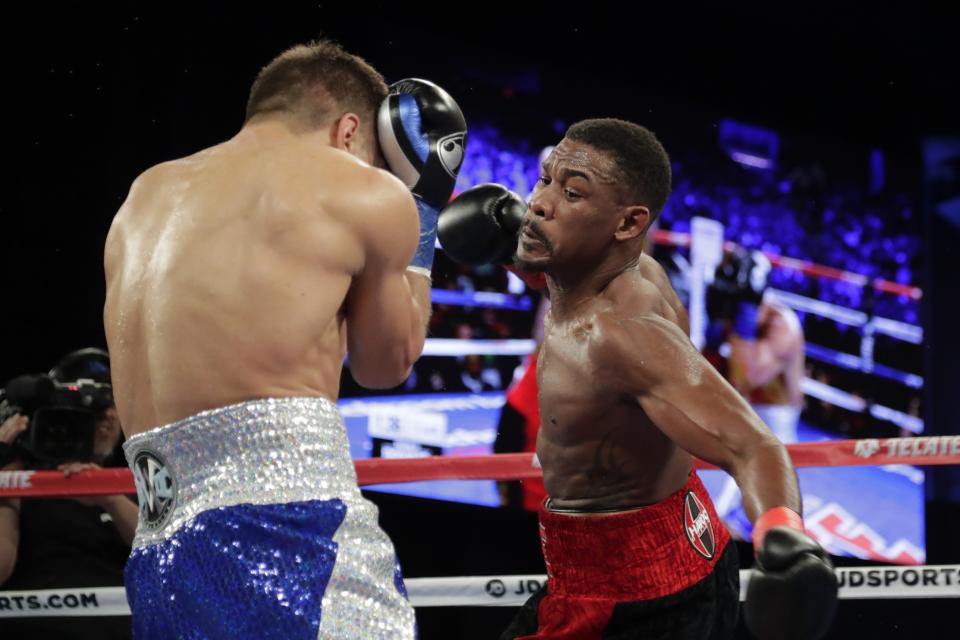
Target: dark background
(93,95)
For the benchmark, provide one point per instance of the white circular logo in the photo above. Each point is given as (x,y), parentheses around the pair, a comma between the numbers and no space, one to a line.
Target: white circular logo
(156,490)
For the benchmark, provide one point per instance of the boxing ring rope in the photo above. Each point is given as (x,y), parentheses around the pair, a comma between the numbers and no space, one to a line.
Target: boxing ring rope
(927,450)
(808,267)
(869,326)
(458,347)
(454,347)
(881,582)
(856,583)
(485,299)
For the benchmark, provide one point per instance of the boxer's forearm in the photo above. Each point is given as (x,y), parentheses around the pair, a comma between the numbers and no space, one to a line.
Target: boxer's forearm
(387,316)
(401,361)
(420,289)
(766,478)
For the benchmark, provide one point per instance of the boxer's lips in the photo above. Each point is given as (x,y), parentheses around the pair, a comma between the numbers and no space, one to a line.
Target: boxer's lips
(531,248)
(529,238)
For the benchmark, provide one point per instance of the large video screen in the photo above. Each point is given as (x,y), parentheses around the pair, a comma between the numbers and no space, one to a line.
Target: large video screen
(840,228)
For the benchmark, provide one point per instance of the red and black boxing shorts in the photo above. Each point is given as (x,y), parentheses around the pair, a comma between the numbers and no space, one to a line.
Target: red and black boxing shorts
(662,571)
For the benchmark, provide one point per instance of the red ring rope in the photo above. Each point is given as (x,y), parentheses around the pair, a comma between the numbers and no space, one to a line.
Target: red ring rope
(927,450)
(674,238)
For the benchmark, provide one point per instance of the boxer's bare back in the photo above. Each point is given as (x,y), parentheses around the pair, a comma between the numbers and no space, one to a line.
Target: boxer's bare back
(236,273)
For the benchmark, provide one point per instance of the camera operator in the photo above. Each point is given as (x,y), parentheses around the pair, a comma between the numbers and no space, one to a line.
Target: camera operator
(66,421)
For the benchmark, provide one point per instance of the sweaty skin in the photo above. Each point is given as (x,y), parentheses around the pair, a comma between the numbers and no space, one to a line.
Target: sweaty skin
(625,398)
(244,271)
(653,273)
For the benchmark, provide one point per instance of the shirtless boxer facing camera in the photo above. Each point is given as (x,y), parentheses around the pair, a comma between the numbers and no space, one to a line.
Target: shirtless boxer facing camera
(632,543)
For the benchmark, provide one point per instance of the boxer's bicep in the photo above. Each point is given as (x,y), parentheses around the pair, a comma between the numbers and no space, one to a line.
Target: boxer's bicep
(681,393)
(384,218)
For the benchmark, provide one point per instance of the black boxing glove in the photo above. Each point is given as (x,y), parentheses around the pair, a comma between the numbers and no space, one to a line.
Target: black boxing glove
(482,225)
(422,135)
(792,593)
(737,290)
(721,295)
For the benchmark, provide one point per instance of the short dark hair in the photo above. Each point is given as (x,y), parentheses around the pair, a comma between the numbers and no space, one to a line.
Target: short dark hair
(316,82)
(640,158)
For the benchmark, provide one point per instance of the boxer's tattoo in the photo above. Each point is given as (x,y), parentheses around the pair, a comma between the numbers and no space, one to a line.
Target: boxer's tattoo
(609,460)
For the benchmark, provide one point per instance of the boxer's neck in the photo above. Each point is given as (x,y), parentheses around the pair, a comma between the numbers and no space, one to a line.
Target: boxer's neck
(569,289)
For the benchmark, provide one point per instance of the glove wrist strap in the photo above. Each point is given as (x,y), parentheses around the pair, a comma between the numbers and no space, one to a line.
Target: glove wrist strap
(776,517)
(420,271)
(423,258)
(745,321)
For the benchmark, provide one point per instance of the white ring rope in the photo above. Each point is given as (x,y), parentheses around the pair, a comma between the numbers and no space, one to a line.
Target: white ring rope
(856,583)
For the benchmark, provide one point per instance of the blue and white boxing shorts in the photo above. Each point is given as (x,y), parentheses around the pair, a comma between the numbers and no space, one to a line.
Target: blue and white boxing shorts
(252,526)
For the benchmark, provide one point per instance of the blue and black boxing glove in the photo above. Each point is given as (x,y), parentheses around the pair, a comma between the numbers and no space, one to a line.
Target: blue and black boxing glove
(736,292)
(422,135)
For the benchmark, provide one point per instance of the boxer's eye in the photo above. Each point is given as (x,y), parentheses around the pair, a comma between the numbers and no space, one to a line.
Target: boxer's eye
(573,195)
(544,180)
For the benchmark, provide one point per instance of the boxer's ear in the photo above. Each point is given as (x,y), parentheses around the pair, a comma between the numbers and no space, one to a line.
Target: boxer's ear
(345,132)
(633,222)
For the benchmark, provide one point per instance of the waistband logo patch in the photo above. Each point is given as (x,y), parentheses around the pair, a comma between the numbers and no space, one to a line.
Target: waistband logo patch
(697,525)
(156,490)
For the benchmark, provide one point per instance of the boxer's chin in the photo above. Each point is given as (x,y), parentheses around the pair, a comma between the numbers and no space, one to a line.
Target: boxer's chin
(531,257)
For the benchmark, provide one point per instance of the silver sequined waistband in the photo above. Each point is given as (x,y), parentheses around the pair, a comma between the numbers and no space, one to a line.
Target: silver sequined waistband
(261,452)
